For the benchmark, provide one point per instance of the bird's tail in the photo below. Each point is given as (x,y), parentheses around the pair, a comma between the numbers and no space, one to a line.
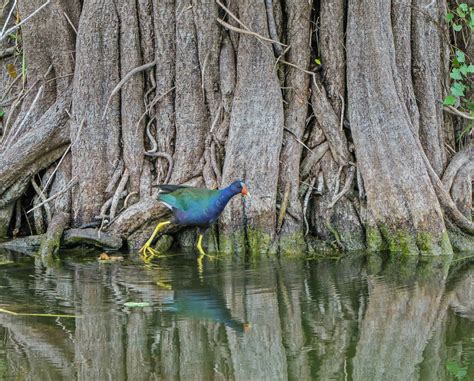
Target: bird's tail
(168,188)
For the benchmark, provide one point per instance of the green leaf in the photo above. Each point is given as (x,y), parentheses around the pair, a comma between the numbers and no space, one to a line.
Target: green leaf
(460,56)
(137,304)
(465,69)
(460,13)
(317,61)
(457,89)
(449,17)
(458,372)
(457,27)
(464,7)
(456,74)
(2,112)
(450,100)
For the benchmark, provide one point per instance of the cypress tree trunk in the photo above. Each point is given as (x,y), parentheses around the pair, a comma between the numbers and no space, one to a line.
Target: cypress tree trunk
(337,127)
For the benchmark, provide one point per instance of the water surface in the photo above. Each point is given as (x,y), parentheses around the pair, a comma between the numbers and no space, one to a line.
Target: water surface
(355,318)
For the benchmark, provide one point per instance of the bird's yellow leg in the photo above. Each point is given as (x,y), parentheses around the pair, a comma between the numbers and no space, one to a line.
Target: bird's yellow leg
(147,252)
(201,250)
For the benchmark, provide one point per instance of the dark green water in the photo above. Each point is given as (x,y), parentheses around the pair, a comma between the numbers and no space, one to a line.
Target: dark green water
(357,318)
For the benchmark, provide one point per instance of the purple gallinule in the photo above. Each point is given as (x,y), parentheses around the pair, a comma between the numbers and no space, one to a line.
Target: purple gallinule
(192,207)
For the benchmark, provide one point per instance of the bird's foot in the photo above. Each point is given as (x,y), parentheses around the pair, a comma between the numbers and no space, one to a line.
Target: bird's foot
(147,253)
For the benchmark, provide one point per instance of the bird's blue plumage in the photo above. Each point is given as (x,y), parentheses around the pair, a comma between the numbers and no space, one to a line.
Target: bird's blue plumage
(197,206)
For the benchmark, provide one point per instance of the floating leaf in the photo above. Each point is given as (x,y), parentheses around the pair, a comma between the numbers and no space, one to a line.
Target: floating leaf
(456,74)
(11,70)
(137,304)
(105,258)
(450,100)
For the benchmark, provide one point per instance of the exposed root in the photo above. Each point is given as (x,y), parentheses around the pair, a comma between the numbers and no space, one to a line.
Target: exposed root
(4,33)
(347,187)
(306,202)
(136,216)
(283,207)
(166,156)
(129,196)
(37,148)
(115,177)
(17,226)
(118,192)
(272,27)
(8,139)
(52,240)
(458,161)
(312,158)
(154,144)
(51,198)
(129,75)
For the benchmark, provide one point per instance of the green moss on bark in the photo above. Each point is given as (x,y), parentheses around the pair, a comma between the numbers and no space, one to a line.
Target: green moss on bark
(293,245)
(406,242)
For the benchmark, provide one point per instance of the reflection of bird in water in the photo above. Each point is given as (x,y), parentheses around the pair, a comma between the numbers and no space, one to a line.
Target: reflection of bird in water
(205,304)
(192,207)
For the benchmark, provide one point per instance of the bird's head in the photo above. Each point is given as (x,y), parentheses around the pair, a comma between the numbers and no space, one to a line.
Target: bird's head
(238,186)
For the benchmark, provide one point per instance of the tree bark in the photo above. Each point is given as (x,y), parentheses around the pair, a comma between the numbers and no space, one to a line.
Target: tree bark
(373,90)
(255,134)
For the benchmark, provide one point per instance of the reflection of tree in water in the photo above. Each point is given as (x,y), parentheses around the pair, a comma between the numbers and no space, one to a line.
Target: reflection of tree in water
(309,320)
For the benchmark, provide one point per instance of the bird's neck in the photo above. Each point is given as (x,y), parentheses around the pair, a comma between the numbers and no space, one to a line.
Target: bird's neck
(225,195)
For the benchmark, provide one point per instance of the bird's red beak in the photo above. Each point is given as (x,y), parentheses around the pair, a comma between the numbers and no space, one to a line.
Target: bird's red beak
(245,192)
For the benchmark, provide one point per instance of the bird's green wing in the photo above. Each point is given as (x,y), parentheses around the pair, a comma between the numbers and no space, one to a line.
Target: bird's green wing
(188,198)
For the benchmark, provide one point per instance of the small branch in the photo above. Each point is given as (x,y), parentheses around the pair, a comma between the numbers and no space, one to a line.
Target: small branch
(129,75)
(297,139)
(23,121)
(70,22)
(167,157)
(455,111)
(152,103)
(64,155)
(7,52)
(17,26)
(69,186)
(342,112)
(43,199)
(248,32)
(12,9)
